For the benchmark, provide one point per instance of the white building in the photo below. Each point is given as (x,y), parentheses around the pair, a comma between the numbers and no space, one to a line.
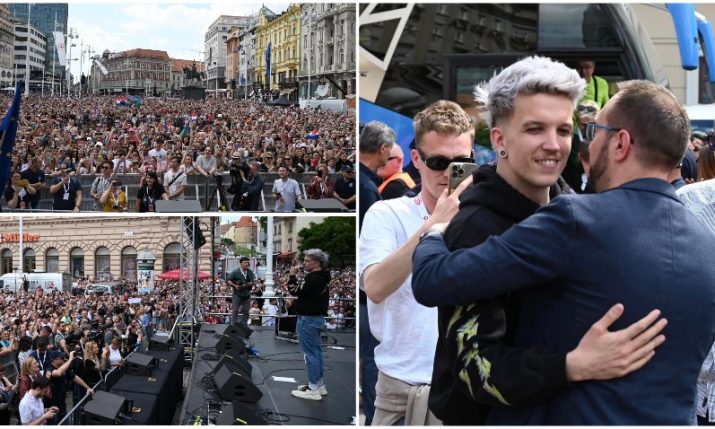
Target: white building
(328,49)
(215,49)
(33,44)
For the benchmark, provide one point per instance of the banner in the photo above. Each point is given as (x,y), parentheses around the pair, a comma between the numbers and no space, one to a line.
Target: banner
(60,46)
(101,66)
(268,65)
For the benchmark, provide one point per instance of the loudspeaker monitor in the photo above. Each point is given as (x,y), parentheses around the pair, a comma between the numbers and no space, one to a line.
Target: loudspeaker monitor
(233,386)
(103,409)
(140,364)
(235,364)
(231,344)
(161,343)
(239,330)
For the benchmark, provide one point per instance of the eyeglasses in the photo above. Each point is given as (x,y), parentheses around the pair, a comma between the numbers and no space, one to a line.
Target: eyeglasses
(591,128)
(586,109)
(440,163)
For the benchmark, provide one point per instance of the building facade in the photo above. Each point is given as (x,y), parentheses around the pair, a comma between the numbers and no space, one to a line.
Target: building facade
(285,232)
(137,72)
(328,50)
(30,43)
(7,47)
(98,247)
(243,233)
(283,35)
(232,60)
(47,17)
(215,50)
(247,53)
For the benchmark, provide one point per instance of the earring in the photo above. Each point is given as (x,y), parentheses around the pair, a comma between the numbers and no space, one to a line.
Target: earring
(503,153)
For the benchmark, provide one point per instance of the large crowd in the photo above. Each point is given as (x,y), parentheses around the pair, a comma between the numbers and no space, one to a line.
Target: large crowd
(78,136)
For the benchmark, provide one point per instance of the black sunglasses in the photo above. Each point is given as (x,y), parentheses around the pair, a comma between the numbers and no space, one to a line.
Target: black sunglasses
(440,163)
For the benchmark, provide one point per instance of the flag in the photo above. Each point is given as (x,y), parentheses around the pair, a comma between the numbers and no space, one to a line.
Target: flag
(101,66)
(268,64)
(8,128)
(60,46)
(313,135)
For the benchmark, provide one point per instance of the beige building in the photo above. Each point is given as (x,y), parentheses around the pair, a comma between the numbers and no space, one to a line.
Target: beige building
(242,233)
(7,47)
(285,232)
(95,246)
(690,87)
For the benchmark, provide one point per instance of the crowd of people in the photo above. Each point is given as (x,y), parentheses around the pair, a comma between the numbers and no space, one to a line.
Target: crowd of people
(82,334)
(60,139)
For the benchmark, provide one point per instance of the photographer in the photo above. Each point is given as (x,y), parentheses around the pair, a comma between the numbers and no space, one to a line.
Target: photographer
(114,199)
(241,280)
(18,192)
(149,192)
(251,190)
(322,185)
(238,171)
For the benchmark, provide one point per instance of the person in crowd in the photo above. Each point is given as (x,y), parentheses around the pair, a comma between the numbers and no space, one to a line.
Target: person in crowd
(67,192)
(376,141)
(150,192)
(395,182)
(175,180)
(32,409)
(206,163)
(596,87)
(286,191)
(18,193)
(322,185)
(113,353)
(8,393)
(61,376)
(311,306)
(36,179)
(344,189)
(251,188)
(29,371)
(101,184)
(114,199)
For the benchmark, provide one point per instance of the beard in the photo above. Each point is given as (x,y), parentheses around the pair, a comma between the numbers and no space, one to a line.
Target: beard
(598,174)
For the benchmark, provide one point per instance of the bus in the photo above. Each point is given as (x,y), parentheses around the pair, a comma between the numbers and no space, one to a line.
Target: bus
(412,55)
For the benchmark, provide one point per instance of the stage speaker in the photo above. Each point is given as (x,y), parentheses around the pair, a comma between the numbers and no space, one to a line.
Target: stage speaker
(234,386)
(231,344)
(237,413)
(139,364)
(323,205)
(161,343)
(103,409)
(239,330)
(235,364)
(195,234)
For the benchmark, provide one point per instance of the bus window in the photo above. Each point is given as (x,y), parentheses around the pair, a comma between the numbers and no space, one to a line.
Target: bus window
(576,26)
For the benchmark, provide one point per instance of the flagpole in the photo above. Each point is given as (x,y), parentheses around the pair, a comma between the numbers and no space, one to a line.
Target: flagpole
(27,55)
(53,57)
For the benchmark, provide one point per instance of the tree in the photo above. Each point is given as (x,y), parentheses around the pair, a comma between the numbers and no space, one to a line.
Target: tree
(227,242)
(335,235)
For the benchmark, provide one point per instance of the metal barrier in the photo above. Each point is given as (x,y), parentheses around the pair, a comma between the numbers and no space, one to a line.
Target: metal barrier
(74,416)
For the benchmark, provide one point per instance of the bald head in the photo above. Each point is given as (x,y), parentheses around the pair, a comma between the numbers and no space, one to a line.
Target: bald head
(394,163)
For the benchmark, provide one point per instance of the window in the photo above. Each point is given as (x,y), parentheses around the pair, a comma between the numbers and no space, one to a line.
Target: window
(77,262)
(129,263)
(102,264)
(6,261)
(52,260)
(29,261)
(171,260)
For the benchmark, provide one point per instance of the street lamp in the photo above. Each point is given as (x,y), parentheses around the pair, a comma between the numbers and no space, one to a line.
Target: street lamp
(72,35)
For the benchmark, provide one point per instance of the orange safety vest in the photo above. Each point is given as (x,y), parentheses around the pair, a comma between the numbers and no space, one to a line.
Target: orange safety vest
(401,175)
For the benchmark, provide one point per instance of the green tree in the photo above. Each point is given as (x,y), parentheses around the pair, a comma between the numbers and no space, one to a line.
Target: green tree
(227,242)
(335,235)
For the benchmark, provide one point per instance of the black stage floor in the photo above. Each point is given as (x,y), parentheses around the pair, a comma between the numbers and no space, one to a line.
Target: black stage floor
(278,359)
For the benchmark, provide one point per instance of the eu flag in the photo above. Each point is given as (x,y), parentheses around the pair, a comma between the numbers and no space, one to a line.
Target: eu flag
(268,65)
(8,129)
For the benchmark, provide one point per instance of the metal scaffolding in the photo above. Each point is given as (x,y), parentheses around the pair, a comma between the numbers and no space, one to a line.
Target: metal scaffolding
(188,286)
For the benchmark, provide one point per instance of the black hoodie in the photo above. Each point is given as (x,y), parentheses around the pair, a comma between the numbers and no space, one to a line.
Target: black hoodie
(474,368)
(312,293)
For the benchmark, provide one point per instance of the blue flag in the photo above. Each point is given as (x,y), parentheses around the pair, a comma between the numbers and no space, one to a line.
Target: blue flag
(268,65)
(8,129)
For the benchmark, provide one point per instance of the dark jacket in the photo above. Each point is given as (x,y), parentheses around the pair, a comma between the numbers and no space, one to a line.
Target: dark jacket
(369,194)
(253,188)
(574,259)
(459,393)
(312,293)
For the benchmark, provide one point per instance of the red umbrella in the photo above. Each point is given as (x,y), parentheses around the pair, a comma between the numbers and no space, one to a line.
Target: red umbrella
(175,274)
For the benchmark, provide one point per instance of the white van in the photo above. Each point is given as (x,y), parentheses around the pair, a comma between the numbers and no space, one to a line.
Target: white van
(48,282)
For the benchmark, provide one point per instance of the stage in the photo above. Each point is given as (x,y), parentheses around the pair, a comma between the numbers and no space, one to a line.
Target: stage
(278,369)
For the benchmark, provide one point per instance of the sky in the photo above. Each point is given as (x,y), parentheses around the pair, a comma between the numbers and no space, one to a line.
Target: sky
(177,28)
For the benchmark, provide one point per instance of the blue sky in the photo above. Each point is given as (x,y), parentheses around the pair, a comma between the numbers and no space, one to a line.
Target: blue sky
(175,27)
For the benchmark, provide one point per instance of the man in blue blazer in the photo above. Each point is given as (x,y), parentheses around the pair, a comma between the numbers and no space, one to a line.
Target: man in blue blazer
(632,243)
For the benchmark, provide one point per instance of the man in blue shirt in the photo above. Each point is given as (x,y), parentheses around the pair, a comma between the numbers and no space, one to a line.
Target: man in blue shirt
(580,254)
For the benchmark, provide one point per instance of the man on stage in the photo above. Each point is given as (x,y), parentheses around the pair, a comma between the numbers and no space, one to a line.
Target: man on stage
(241,281)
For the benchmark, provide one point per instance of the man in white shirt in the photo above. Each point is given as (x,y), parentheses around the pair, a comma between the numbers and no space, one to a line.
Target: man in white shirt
(206,161)
(287,192)
(32,410)
(175,180)
(406,330)
(158,152)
